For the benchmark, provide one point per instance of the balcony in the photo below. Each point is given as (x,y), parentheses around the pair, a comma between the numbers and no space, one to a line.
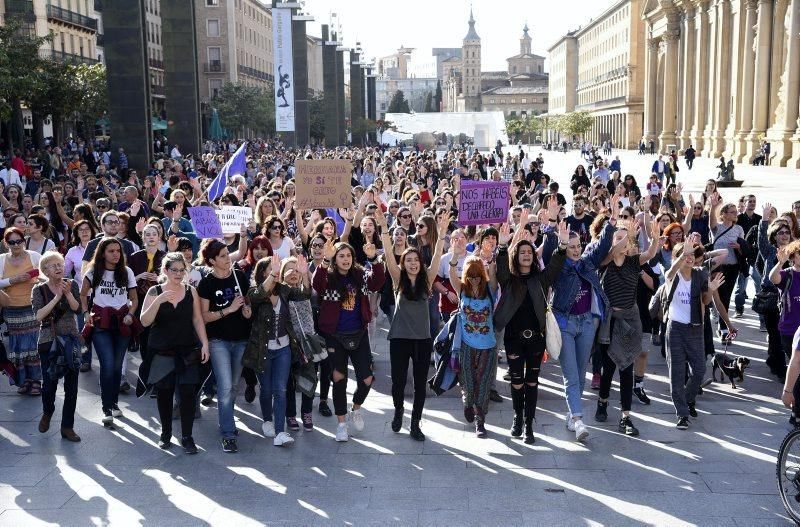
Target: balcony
(155,63)
(252,72)
(71,18)
(21,9)
(156,90)
(62,56)
(214,66)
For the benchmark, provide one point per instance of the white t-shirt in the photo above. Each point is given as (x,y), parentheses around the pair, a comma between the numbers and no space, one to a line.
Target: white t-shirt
(285,250)
(107,294)
(680,308)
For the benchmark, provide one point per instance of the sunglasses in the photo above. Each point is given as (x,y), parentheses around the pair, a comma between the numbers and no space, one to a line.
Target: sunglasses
(440,202)
(111,222)
(624,216)
(15,242)
(405,216)
(275,227)
(787,233)
(421,225)
(317,245)
(102,206)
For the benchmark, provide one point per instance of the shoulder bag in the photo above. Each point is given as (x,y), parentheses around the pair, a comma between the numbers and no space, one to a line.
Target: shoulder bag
(552,333)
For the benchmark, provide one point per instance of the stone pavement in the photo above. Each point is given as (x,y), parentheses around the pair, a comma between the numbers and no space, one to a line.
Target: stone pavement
(719,472)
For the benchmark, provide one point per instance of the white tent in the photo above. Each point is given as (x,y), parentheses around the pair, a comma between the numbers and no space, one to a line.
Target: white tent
(485,128)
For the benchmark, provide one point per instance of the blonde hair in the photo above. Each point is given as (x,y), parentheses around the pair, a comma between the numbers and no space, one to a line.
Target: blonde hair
(49,257)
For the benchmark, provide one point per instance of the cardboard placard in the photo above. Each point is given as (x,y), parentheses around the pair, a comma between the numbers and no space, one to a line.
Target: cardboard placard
(323,183)
(205,222)
(232,218)
(483,202)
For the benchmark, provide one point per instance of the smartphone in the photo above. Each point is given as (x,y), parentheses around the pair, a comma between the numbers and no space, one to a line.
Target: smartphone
(33,273)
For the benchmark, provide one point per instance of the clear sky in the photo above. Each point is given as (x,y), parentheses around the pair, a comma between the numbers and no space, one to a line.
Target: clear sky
(383,26)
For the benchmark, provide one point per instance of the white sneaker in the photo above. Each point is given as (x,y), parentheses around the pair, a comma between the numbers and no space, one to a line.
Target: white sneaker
(268,428)
(570,423)
(282,439)
(115,411)
(341,433)
(581,433)
(357,419)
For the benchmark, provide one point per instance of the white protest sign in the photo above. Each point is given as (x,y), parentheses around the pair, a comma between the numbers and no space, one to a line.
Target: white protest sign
(232,218)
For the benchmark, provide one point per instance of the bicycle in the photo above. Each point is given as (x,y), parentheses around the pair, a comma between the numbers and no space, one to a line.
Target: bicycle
(788,474)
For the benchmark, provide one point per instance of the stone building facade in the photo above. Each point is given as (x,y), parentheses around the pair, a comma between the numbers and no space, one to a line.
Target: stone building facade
(724,75)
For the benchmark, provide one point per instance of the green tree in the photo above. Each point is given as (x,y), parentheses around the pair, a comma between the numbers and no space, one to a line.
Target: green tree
(92,83)
(245,110)
(19,59)
(398,104)
(428,102)
(56,92)
(575,123)
(316,115)
(438,97)
(514,128)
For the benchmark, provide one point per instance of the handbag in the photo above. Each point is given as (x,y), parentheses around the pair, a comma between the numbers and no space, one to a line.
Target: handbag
(766,301)
(350,340)
(313,345)
(656,305)
(552,333)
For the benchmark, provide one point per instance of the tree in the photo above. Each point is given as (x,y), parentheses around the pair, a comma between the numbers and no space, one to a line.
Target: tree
(398,104)
(19,58)
(514,128)
(438,97)
(92,83)
(316,115)
(575,123)
(428,102)
(245,110)
(56,92)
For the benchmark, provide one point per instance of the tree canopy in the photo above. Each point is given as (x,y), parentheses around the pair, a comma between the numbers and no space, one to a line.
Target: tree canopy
(244,109)
(399,104)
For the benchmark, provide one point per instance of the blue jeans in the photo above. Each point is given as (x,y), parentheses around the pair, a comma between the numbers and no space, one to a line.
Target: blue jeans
(226,361)
(110,347)
(576,346)
(273,387)
(741,287)
(86,358)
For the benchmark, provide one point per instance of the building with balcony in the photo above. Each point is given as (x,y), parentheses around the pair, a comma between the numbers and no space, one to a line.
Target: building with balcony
(155,57)
(599,68)
(234,44)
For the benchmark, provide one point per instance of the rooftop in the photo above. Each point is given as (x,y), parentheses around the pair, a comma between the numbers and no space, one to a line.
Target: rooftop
(522,90)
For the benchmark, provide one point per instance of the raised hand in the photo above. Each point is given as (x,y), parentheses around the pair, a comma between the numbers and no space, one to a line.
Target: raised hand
(172,243)
(505,234)
(302,265)
(442,224)
(563,232)
(370,250)
(766,211)
(715,282)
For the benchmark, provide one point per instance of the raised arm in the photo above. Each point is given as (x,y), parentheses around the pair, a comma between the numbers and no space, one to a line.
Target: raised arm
(241,251)
(388,255)
(441,224)
(712,212)
(775,274)
(655,243)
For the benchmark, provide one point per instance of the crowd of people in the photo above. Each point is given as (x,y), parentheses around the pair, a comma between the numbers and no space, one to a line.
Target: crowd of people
(101,260)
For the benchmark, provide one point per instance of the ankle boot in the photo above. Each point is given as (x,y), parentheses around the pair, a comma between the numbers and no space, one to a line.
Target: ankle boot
(529,438)
(480,428)
(518,400)
(44,423)
(416,433)
(397,421)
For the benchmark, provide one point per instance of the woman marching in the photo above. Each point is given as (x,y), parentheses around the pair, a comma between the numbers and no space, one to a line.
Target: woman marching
(409,334)
(344,287)
(620,335)
(114,300)
(521,313)
(176,354)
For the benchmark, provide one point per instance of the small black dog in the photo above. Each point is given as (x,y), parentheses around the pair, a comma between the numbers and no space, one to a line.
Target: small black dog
(731,367)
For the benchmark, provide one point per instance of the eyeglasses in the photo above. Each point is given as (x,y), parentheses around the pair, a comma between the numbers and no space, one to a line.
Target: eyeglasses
(111,222)
(534,223)
(783,233)
(54,266)
(176,271)
(15,242)
(317,245)
(440,202)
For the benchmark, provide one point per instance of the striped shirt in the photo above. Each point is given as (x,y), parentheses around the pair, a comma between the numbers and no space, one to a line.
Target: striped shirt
(620,282)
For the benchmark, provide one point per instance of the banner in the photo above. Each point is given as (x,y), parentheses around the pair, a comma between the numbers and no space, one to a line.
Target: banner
(205,222)
(232,218)
(323,183)
(483,202)
(284,75)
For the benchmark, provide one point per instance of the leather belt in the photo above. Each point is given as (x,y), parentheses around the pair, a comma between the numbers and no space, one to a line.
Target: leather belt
(528,334)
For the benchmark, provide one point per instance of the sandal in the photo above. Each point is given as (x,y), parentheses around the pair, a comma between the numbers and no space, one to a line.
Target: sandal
(25,388)
(36,388)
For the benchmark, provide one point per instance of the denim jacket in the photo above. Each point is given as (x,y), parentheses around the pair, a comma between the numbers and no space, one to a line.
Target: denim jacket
(769,253)
(566,288)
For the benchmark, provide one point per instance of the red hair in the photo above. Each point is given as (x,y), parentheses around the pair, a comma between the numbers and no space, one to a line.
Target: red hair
(258,242)
(667,231)
(474,266)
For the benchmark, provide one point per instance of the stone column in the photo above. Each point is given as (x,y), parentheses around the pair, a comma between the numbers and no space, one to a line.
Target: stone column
(330,93)
(787,110)
(723,79)
(689,73)
(748,76)
(709,88)
(670,102)
(700,76)
(761,89)
(356,98)
(651,78)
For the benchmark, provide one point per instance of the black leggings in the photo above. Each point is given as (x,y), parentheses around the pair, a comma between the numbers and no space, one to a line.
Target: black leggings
(731,274)
(776,358)
(166,392)
(625,380)
(323,368)
(419,353)
(524,363)
(361,358)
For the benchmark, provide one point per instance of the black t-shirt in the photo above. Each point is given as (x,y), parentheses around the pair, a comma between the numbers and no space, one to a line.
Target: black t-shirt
(220,294)
(525,316)
(581,226)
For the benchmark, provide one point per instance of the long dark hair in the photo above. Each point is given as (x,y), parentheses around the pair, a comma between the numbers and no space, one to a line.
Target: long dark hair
(55,219)
(76,240)
(98,264)
(335,279)
(513,256)
(420,288)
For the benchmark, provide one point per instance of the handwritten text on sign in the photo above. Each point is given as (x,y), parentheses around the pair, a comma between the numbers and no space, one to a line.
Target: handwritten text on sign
(323,183)
(483,202)
(232,218)
(205,222)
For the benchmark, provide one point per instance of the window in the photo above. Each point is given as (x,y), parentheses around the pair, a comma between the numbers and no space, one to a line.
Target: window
(212,3)
(212,28)
(214,59)
(214,85)
(524,100)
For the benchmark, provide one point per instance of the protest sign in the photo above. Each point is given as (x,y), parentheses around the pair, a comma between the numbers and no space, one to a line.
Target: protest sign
(232,218)
(483,202)
(205,222)
(323,183)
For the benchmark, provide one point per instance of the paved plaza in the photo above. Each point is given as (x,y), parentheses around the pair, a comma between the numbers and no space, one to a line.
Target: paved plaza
(719,472)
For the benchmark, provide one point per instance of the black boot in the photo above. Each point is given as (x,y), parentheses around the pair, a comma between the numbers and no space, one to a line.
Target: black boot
(518,400)
(529,438)
(416,433)
(397,422)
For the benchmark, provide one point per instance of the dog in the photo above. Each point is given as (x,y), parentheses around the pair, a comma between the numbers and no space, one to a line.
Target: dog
(733,368)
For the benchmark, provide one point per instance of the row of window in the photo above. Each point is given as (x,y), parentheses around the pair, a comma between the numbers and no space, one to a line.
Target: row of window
(152,6)
(524,100)
(76,6)
(611,90)
(77,44)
